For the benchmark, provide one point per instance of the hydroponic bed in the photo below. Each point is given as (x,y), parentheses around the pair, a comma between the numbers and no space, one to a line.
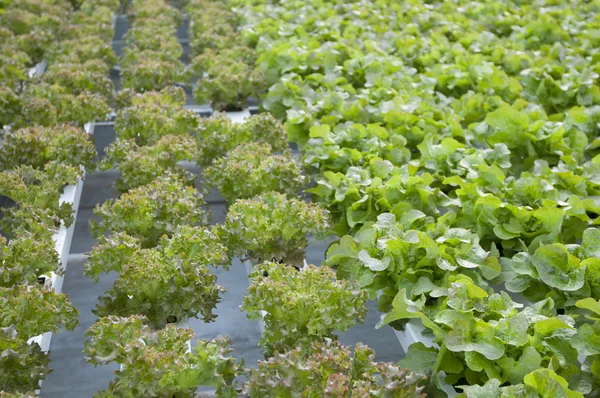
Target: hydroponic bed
(438,161)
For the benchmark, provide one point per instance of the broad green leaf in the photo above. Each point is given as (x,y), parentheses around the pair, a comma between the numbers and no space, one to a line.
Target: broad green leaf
(373,264)
(557,268)
(550,385)
(475,336)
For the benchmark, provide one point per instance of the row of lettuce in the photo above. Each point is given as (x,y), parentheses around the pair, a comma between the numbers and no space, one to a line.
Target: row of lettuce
(156,237)
(77,88)
(43,150)
(455,145)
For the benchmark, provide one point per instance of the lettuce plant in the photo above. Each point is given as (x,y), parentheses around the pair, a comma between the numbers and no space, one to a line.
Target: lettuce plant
(156,12)
(157,363)
(50,104)
(217,135)
(350,145)
(212,26)
(567,273)
(33,311)
(161,287)
(147,277)
(539,383)
(226,79)
(11,106)
(197,246)
(407,249)
(168,97)
(251,169)
(39,188)
(37,146)
(25,258)
(13,64)
(213,35)
(329,369)
(272,226)
(482,335)
(91,77)
(24,365)
(154,115)
(151,210)
(161,39)
(82,49)
(297,311)
(149,73)
(140,165)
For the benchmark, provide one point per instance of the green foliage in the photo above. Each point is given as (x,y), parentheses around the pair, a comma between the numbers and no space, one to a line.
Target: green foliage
(565,273)
(49,104)
(140,165)
(24,365)
(153,115)
(539,383)
(162,288)
(36,146)
(407,249)
(272,226)
(25,258)
(301,306)
(38,188)
(227,78)
(167,283)
(329,369)
(251,169)
(212,27)
(151,210)
(148,73)
(82,49)
(157,363)
(217,135)
(33,311)
(10,104)
(482,336)
(91,77)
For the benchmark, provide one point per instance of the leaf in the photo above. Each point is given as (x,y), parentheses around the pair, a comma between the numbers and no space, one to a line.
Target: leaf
(550,385)
(419,358)
(557,268)
(373,264)
(587,340)
(516,370)
(589,304)
(343,249)
(591,242)
(475,336)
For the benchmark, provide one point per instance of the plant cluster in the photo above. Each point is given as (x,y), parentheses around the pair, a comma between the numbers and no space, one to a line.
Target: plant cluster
(329,369)
(225,69)
(301,307)
(272,226)
(37,146)
(150,211)
(164,283)
(37,162)
(30,188)
(149,116)
(151,57)
(217,135)
(251,169)
(33,26)
(140,165)
(76,88)
(456,147)
(157,363)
